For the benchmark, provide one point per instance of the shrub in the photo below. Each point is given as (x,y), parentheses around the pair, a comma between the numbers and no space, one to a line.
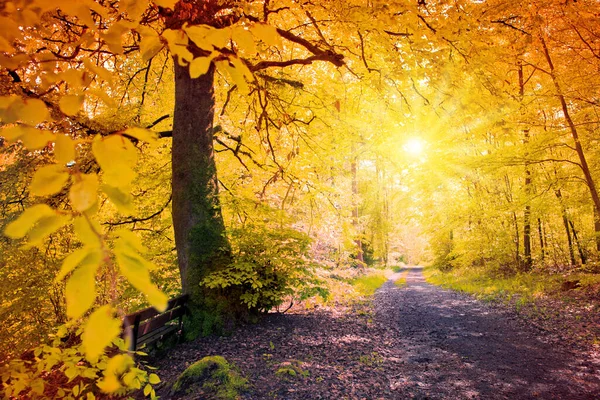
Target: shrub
(269,266)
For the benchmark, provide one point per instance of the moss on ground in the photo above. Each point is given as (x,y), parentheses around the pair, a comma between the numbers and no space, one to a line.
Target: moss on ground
(213,377)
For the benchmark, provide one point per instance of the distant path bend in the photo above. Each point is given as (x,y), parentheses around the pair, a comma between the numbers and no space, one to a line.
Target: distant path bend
(444,344)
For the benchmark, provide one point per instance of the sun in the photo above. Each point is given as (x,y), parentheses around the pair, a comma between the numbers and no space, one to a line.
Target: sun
(414,146)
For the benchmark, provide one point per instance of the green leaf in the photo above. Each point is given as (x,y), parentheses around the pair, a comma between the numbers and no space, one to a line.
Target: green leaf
(64,149)
(99,331)
(120,198)
(150,46)
(71,104)
(84,193)
(19,228)
(81,287)
(48,180)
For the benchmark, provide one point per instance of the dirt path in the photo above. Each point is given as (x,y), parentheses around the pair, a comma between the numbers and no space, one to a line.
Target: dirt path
(415,342)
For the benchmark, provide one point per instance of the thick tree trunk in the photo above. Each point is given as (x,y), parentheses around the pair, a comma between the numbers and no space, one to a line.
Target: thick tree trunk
(574,133)
(200,238)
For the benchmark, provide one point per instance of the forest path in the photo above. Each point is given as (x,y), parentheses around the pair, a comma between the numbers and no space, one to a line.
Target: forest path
(450,345)
(415,342)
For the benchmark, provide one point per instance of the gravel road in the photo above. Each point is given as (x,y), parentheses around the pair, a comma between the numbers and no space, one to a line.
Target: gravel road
(414,342)
(451,346)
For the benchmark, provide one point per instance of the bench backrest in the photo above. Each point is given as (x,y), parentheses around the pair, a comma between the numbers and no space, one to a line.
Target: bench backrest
(145,321)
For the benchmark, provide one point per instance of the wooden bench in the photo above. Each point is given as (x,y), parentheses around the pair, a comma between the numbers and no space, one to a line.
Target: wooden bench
(148,325)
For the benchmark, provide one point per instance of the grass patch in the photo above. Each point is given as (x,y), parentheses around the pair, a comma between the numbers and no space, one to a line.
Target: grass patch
(525,287)
(367,285)
(400,282)
(211,376)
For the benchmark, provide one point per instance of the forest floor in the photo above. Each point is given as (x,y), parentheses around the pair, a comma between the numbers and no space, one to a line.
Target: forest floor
(413,342)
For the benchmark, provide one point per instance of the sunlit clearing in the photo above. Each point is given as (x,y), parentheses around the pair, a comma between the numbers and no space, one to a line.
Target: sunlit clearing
(414,146)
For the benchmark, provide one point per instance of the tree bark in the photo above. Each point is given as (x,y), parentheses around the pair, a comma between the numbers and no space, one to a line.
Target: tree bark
(359,250)
(580,249)
(541,234)
(200,238)
(574,133)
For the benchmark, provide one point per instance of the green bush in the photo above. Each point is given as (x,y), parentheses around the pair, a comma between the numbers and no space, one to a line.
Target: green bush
(269,267)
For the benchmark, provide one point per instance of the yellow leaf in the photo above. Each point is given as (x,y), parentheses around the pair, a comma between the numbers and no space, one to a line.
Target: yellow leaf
(219,37)
(48,180)
(120,198)
(84,193)
(99,331)
(89,254)
(88,234)
(116,156)
(36,139)
(13,133)
(153,379)
(90,396)
(198,34)
(102,95)
(147,390)
(145,135)
(80,291)
(19,228)
(235,74)
(134,8)
(115,368)
(135,269)
(109,384)
(33,112)
(72,77)
(64,149)
(131,240)
(44,227)
(102,72)
(178,41)
(150,46)
(199,66)
(244,39)
(71,104)
(166,3)
(266,33)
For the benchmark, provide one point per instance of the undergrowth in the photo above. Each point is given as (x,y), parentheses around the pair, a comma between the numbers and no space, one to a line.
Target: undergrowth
(526,287)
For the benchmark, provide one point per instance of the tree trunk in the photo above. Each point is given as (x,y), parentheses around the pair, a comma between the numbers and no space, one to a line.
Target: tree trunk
(359,250)
(566,224)
(574,133)
(541,234)
(580,249)
(200,238)
(527,213)
(597,229)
